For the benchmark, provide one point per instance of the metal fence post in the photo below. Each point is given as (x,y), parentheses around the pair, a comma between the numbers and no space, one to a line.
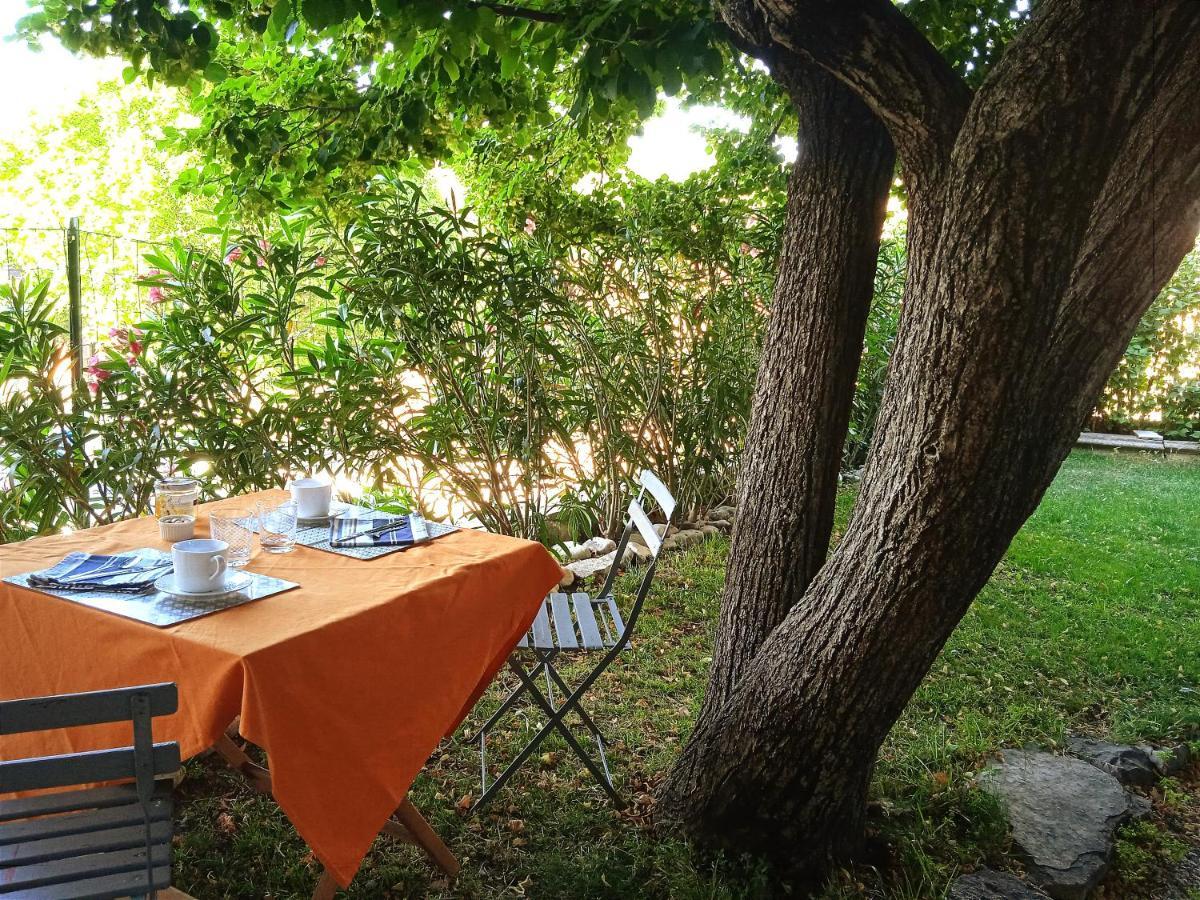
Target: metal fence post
(74,289)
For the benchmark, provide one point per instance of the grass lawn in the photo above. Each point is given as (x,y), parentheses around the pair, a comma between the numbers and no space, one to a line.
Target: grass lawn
(1091,623)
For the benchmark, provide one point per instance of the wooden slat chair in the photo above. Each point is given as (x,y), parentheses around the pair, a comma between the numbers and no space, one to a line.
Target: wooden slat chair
(95,842)
(578,623)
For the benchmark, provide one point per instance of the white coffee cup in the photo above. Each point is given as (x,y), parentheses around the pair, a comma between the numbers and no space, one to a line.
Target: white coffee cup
(312,497)
(200,564)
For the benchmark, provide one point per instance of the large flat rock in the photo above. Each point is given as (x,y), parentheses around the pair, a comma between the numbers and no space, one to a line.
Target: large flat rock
(988,884)
(1129,765)
(1063,813)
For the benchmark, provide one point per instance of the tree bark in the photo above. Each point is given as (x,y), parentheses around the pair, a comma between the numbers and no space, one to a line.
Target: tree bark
(1028,268)
(787,487)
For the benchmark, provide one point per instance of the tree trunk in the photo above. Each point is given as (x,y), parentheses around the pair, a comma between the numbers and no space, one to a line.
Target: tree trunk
(1029,267)
(837,196)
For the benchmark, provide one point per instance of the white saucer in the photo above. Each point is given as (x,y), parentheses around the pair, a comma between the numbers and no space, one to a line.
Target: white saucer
(234,581)
(335,510)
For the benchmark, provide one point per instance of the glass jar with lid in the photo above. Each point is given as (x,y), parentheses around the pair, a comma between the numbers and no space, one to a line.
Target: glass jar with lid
(175,496)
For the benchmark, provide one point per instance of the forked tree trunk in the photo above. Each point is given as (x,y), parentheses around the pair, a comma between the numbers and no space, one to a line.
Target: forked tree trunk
(837,196)
(1047,213)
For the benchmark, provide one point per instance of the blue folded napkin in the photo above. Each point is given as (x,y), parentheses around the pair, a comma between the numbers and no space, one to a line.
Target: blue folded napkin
(375,531)
(118,573)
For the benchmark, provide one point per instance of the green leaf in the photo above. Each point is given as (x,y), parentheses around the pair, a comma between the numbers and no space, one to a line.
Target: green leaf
(129,74)
(321,14)
(451,68)
(277,24)
(509,61)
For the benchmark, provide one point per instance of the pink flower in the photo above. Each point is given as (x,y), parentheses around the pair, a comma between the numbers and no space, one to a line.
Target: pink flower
(234,255)
(264,245)
(118,334)
(319,261)
(135,350)
(131,359)
(94,387)
(530,225)
(93,361)
(157,295)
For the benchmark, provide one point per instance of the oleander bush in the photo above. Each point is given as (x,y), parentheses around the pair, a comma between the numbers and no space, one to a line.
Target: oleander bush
(404,346)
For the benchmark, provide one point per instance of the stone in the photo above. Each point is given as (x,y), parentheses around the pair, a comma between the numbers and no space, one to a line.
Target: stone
(600,545)
(1129,765)
(721,524)
(709,529)
(636,553)
(988,884)
(577,551)
(567,579)
(586,568)
(1063,812)
(1182,880)
(727,513)
(688,538)
(670,544)
(1168,761)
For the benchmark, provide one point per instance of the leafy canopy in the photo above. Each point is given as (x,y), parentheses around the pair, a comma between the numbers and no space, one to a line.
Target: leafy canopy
(311,97)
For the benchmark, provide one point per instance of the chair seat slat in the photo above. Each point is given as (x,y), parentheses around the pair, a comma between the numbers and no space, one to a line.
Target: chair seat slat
(588,628)
(72,869)
(564,627)
(542,638)
(82,844)
(613,611)
(105,887)
(82,822)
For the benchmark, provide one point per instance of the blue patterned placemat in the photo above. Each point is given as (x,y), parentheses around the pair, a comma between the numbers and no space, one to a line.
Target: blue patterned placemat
(315,534)
(160,609)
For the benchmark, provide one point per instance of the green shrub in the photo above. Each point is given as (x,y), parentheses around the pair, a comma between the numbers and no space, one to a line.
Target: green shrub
(405,347)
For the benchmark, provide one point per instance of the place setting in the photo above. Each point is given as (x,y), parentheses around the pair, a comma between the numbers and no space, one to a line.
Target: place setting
(313,518)
(196,578)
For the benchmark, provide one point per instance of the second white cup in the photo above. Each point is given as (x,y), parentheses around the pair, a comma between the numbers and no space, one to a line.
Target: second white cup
(200,564)
(312,497)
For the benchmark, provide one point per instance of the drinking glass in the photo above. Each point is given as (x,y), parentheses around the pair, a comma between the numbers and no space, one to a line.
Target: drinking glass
(277,527)
(236,528)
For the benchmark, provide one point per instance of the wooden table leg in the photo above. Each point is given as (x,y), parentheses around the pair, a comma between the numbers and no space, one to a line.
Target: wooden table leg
(407,823)
(425,837)
(259,777)
(325,888)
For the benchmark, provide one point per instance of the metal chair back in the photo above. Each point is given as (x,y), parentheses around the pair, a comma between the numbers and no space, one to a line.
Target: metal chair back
(636,517)
(103,842)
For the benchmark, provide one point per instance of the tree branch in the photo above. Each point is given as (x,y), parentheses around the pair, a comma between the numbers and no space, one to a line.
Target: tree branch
(875,50)
(512,11)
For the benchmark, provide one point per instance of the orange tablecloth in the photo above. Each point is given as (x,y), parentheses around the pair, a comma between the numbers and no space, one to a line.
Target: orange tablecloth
(349,682)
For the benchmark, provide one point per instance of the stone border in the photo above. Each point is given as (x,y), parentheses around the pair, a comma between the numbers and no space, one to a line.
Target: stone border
(1144,441)
(595,556)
